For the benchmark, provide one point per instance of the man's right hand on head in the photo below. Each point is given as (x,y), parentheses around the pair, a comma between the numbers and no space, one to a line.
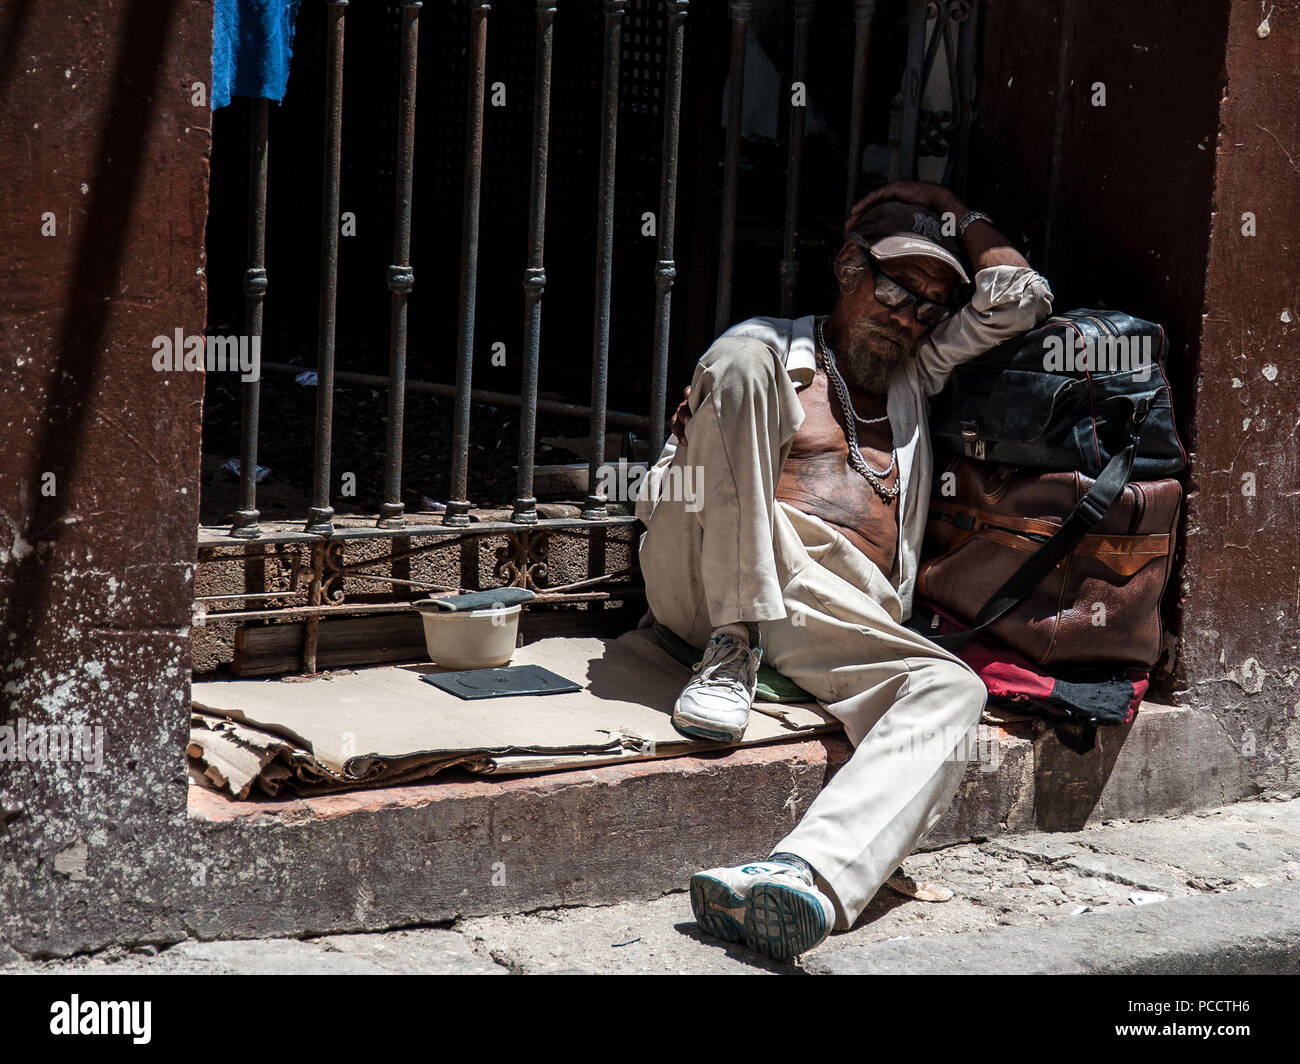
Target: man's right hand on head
(925,194)
(682,415)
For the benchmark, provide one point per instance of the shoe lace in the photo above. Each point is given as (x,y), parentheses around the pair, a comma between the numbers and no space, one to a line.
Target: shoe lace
(728,661)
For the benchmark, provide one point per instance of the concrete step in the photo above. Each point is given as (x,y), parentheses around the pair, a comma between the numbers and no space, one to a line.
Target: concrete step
(463,845)
(1213,892)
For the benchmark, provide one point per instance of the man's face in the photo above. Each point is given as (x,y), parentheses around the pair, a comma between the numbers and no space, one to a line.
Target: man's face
(877,337)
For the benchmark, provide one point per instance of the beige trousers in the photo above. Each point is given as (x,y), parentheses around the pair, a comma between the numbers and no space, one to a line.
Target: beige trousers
(829,620)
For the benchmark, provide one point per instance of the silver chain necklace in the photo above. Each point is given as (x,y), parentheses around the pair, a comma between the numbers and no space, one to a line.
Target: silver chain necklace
(859,464)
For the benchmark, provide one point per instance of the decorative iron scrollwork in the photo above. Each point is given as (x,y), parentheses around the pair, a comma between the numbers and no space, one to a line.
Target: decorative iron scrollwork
(522,560)
(943,42)
(334,569)
(959,10)
(937,131)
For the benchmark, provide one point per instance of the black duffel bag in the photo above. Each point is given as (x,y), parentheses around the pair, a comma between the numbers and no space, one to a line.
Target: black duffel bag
(1063,397)
(1084,392)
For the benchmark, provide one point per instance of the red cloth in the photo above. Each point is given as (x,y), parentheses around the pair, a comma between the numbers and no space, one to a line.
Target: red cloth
(1104,694)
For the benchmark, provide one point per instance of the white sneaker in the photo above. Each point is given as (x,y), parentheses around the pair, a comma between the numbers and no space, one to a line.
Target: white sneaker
(787,915)
(719,897)
(715,704)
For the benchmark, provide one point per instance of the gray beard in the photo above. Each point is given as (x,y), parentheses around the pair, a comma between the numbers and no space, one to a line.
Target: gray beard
(860,363)
(866,372)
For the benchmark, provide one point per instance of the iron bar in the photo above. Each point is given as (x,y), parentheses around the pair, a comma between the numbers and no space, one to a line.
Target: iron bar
(525,509)
(945,27)
(591,581)
(545,598)
(912,82)
(299,612)
(354,608)
(739,11)
(666,266)
(862,12)
(932,42)
(595,508)
(478,395)
(244,521)
(794,159)
(401,278)
(963,91)
(311,630)
(247,596)
(604,578)
(458,506)
(320,515)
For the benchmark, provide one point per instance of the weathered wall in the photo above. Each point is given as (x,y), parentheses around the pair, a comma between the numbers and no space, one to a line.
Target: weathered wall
(1241,581)
(97,128)
(1138,204)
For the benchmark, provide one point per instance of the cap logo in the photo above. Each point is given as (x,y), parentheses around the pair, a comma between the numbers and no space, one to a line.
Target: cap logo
(927,226)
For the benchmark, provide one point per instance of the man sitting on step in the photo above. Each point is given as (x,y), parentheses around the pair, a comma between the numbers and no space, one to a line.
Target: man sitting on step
(812,466)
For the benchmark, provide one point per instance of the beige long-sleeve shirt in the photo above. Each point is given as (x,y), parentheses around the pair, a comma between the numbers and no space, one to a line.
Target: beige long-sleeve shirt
(1007,301)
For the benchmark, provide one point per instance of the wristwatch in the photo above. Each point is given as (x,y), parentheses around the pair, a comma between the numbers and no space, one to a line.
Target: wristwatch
(970,218)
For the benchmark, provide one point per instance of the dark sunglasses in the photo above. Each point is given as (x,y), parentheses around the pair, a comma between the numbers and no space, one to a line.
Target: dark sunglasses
(893,295)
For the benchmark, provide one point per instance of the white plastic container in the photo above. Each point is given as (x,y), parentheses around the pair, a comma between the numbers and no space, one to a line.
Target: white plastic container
(470,639)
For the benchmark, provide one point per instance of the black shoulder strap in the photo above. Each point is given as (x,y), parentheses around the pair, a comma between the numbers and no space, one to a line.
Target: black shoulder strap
(1086,515)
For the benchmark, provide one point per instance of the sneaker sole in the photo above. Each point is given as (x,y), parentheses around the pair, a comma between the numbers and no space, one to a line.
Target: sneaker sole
(782,922)
(714,904)
(704,731)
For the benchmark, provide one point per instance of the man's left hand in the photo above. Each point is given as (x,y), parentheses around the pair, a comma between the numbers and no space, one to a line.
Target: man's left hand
(682,415)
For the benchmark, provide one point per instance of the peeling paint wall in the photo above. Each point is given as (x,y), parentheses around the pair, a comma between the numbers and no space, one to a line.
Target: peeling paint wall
(104,203)
(1241,579)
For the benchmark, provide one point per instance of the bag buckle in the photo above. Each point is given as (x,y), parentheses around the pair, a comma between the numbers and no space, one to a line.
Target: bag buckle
(970,438)
(1091,510)
(1141,409)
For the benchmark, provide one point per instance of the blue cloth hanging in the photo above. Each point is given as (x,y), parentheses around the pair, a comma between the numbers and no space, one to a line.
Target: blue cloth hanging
(252,43)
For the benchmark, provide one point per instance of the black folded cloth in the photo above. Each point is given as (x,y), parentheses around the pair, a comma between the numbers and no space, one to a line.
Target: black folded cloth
(479,600)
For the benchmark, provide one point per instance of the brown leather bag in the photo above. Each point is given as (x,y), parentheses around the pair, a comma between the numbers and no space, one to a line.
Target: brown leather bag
(1101,602)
